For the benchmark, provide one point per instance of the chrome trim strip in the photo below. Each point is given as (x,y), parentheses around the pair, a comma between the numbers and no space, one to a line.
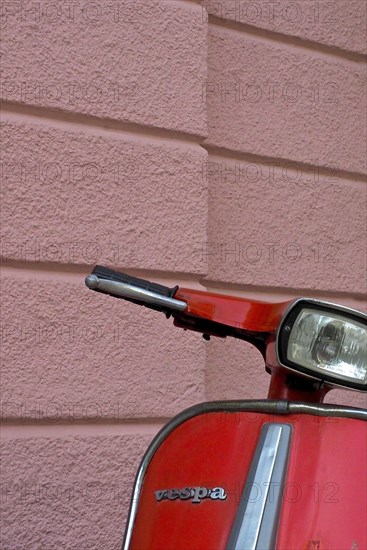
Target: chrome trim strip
(265,406)
(134,292)
(256,524)
(134,502)
(327,410)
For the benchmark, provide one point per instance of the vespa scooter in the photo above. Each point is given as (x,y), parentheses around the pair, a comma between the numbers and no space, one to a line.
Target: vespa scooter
(287,472)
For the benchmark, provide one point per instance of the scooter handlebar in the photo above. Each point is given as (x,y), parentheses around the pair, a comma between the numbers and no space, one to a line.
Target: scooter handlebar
(133,289)
(197,310)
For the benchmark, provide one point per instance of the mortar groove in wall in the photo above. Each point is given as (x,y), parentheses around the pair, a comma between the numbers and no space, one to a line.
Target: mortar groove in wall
(20,429)
(287,40)
(17,112)
(280,292)
(183,2)
(222,152)
(76,273)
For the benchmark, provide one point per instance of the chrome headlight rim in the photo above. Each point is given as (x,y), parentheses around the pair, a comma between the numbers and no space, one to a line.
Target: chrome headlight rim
(283,334)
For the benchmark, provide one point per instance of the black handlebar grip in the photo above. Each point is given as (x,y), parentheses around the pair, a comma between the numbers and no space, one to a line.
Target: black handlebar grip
(106,274)
(111,275)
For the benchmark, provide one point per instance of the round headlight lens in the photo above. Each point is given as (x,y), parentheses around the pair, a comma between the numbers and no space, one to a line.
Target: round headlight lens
(328,342)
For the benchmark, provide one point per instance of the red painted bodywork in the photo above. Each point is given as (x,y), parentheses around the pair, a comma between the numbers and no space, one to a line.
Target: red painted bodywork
(324,497)
(244,318)
(279,390)
(242,314)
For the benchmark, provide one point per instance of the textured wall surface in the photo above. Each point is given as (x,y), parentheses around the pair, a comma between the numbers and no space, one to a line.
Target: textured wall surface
(216,145)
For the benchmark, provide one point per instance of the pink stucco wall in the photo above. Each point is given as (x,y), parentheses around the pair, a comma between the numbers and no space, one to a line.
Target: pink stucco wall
(218,144)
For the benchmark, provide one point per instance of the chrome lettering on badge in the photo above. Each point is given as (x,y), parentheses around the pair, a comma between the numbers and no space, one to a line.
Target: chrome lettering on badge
(195,494)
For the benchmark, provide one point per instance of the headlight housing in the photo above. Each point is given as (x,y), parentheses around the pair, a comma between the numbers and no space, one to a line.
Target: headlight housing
(325,341)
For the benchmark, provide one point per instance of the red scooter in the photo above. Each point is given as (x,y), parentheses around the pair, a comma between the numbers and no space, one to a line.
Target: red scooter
(287,472)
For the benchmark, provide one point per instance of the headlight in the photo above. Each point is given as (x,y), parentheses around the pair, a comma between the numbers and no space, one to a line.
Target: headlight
(325,341)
